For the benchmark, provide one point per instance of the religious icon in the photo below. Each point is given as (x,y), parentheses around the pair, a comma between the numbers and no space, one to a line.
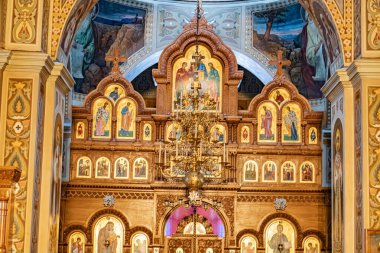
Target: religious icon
(218,133)
(140,169)
(102,119)
(103,166)
(269,172)
(199,229)
(121,168)
(76,243)
(248,245)
(372,241)
(208,72)
(173,132)
(279,96)
(140,243)
(179,250)
(84,167)
(288,172)
(216,171)
(126,117)
(114,92)
(80,130)
(313,137)
(311,245)
(280,237)
(250,171)
(307,172)
(245,134)
(147,132)
(209,250)
(291,123)
(267,123)
(108,235)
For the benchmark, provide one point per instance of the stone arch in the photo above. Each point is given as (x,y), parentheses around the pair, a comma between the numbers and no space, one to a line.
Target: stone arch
(246,232)
(318,234)
(99,214)
(285,216)
(69,230)
(142,229)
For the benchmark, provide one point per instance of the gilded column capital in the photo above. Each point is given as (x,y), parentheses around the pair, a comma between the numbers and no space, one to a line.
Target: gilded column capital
(8,176)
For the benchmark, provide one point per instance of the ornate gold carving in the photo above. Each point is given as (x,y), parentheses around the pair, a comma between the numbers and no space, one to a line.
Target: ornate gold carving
(24,21)
(303,197)
(374,156)
(17,151)
(68,193)
(8,176)
(373,17)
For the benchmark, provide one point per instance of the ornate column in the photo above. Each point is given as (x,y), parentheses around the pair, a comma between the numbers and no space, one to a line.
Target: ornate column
(27,99)
(8,176)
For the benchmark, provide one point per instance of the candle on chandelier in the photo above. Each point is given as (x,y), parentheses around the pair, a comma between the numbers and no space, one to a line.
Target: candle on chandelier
(159,153)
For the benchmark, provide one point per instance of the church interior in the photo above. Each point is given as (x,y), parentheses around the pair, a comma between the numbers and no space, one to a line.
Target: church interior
(167,126)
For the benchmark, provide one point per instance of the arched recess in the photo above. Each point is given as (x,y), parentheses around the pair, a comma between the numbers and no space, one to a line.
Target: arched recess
(218,49)
(103,213)
(218,211)
(135,230)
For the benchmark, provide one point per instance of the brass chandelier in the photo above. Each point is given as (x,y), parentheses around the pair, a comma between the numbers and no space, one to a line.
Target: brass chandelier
(191,154)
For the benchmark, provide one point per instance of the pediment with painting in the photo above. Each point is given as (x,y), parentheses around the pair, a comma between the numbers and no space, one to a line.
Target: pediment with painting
(282,116)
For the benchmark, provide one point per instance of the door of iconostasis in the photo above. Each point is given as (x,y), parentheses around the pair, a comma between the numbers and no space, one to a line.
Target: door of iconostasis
(184,221)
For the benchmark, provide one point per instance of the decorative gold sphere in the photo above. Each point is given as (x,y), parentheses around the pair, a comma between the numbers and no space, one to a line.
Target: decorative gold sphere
(194,181)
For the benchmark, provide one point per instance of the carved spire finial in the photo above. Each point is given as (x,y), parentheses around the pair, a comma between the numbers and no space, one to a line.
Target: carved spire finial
(280,63)
(116,58)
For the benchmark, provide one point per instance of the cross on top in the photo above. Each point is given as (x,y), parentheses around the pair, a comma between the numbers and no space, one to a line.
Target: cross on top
(116,58)
(280,63)
(197,57)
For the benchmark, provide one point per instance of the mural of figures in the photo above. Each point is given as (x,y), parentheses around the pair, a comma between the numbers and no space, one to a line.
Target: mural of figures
(108,235)
(251,170)
(147,132)
(126,119)
(300,41)
(103,168)
(280,237)
(291,127)
(84,167)
(121,169)
(245,134)
(248,245)
(279,96)
(140,169)
(269,172)
(337,184)
(267,116)
(114,92)
(139,243)
(218,133)
(209,73)
(313,135)
(107,25)
(311,245)
(76,243)
(102,113)
(80,129)
(216,170)
(307,172)
(288,172)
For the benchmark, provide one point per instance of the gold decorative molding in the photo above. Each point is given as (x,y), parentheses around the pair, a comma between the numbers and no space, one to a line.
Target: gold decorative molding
(8,176)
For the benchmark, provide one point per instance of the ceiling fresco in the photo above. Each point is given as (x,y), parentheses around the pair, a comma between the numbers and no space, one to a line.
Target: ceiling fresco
(255,30)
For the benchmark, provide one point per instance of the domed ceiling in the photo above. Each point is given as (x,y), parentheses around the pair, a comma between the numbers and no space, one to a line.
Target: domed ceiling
(255,30)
